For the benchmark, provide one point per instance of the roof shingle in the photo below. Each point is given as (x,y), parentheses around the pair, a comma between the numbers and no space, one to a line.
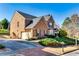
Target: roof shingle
(32,20)
(26,15)
(35,21)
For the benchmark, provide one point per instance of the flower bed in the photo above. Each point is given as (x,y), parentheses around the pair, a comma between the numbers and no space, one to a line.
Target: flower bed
(57,41)
(50,42)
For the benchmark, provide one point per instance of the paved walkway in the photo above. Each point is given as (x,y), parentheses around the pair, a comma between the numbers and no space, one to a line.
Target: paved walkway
(44,51)
(35,52)
(74,53)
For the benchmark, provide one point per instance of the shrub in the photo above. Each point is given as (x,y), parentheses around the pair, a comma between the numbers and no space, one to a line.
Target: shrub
(50,36)
(62,33)
(49,42)
(2,46)
(66,40)
(57,41)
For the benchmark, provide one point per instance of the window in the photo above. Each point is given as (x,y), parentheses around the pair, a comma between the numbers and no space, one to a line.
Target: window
(50,24)
(35,33)
(17,24)
(38,31)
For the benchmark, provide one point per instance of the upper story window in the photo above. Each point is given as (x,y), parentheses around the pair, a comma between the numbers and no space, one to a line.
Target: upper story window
(50,24)
(17,24)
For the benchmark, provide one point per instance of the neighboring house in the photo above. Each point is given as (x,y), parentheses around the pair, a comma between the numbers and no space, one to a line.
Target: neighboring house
(27,26)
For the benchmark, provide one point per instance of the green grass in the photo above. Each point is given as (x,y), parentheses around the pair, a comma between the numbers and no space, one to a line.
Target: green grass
(4,31)
(57,41)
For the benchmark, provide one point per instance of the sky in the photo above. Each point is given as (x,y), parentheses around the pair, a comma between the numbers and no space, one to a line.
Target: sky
(59,11)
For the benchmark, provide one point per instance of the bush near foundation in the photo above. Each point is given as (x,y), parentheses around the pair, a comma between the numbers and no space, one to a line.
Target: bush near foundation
(2,46)
(49,42)
(57,41)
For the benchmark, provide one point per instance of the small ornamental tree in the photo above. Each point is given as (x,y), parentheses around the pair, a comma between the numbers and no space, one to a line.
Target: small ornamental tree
(62,33)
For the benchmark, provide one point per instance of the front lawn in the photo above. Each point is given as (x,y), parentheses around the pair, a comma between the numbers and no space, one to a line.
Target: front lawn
(57,41)
(4,31)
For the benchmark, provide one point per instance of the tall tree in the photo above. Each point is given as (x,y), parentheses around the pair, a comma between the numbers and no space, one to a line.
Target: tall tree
(4,23)
(66,21)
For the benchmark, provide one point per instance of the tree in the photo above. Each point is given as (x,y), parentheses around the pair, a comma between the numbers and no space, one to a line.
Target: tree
(62,33)
(66,21)
(4,23)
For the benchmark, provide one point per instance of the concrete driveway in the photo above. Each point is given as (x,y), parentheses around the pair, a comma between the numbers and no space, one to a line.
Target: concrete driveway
(24,48)
(12,46)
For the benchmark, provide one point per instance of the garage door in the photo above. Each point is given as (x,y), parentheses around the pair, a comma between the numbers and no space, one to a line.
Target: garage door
(25,35)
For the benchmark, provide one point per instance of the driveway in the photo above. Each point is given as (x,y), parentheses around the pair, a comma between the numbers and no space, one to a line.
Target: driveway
(24,48)
(30,48)
(13,46)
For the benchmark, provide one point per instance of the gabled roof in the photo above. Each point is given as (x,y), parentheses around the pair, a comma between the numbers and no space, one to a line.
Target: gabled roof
(32,20)
(35,21)
(47,17)
(26,15)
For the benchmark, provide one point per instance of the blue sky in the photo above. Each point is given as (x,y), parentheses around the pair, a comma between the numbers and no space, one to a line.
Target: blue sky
(58,11)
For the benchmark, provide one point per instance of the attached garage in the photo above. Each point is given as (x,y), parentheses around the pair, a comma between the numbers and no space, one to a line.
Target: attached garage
(26,35)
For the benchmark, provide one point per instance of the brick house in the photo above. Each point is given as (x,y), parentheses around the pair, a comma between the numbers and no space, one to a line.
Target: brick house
(26,26)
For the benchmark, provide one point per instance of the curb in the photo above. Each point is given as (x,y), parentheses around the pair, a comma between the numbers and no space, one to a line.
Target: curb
(68,52)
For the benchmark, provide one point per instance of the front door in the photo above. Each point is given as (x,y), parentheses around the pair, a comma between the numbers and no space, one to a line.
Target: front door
(42,33)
